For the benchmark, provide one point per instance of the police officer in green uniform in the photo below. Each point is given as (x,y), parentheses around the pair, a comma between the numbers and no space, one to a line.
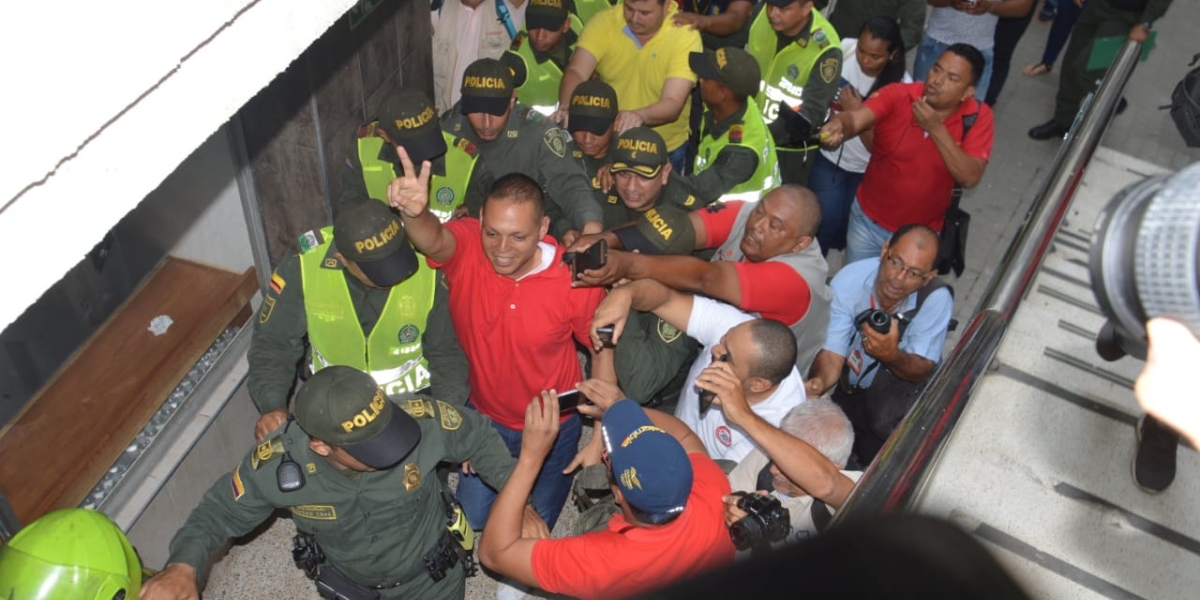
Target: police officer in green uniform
(366,300)
(800,56)
(736,150)
(1099,19)
(513,138)
(409,120)
(543,50)
(355,471)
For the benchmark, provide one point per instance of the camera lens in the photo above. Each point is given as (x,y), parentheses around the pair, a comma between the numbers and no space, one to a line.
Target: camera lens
(880,320)
(1143,260)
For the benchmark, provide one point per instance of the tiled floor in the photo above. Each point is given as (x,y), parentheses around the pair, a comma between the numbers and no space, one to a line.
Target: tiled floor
(261,568)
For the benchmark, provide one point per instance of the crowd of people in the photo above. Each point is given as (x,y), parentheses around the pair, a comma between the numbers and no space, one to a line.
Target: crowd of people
(614,217)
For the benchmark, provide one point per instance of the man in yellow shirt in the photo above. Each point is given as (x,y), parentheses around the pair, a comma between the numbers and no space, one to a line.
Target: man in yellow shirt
(634,48)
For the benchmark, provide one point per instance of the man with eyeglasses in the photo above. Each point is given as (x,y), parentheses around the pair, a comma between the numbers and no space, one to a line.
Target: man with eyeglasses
(903,284)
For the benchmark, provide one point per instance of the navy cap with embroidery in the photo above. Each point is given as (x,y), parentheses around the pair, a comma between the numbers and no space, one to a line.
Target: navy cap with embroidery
(640,150)
(649,465)
(344,407)
(487,87)
(368,233)
(733,67)
(408,117)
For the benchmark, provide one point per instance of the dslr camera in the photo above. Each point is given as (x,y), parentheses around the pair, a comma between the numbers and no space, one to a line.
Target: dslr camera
(766,521)
(877,319)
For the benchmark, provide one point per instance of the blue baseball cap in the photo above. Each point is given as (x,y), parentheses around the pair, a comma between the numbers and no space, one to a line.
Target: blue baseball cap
(649,465)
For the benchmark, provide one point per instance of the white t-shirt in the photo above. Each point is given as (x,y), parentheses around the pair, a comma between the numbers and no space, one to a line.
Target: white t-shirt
(709,322)
(852,155)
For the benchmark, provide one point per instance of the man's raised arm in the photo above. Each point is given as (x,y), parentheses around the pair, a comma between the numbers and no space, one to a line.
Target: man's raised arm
(410,194)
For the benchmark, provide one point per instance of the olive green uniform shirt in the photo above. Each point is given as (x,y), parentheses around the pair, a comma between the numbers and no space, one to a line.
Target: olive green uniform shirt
(374,527)
(532,144)
(650,351)
(278,343)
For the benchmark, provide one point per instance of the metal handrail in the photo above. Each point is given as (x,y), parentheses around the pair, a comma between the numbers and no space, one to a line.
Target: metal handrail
(896,477)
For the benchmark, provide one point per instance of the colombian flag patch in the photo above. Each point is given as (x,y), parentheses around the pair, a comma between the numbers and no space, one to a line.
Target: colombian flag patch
(235,483)
(277,283)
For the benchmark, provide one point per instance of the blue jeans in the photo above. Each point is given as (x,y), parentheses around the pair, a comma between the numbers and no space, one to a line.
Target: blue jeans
(678,158)
(931,50)
(549,491)
(864,237)
(835,188)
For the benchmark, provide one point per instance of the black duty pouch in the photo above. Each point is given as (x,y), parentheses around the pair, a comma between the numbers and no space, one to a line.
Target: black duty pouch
(332,585)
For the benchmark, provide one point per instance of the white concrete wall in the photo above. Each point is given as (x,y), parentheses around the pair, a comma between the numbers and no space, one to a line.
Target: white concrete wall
(106,99)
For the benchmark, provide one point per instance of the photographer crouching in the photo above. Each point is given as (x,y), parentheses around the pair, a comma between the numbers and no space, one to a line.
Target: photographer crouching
(795,473)
(887,326)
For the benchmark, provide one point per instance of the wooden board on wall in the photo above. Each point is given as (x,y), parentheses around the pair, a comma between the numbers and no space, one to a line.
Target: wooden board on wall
(76,427)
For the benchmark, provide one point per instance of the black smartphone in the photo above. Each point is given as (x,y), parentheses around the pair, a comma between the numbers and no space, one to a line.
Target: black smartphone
(569,400)
(593,258)
(706,396)
(605,334)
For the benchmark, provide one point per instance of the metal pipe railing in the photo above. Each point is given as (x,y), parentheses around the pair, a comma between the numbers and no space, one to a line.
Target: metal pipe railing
(896,477)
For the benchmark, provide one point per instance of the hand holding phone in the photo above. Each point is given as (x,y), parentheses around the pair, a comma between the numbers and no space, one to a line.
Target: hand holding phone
(594,257)
(569,401)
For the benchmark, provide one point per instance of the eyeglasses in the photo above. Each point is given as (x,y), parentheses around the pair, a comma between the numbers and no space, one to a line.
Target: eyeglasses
(898,265)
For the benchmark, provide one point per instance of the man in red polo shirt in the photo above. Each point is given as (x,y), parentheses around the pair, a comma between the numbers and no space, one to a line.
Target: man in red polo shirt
(517,316)
(672,521)
(921,150)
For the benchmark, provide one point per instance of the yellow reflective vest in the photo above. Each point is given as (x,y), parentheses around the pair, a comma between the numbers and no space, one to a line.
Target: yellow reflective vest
(785,74)
(446,192)
(751,133)
(542,79)
(392,354)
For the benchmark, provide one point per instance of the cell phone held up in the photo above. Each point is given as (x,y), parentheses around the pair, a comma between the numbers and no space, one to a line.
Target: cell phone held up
(594,257)
(706,396)
(569,401)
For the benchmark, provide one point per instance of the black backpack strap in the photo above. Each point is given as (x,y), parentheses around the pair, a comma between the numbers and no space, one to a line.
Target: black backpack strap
(968,122)
(934,285)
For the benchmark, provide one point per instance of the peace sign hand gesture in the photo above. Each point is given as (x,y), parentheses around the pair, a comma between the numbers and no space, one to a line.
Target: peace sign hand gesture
(410,192)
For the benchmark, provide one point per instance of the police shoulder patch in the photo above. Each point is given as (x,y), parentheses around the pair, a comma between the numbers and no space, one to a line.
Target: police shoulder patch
(555,142)
(419,408)
(830,69)
(466,146)
(266,451)
(450,418)
(667,332)
(517,41)
(820,38)
(735,133)
(309,239)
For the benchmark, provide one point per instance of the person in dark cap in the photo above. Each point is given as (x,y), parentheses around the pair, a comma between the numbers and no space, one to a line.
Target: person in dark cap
(407,119)
(671,525)
(356,472)
(800,56)
(368,301)
(542,51)
(737,152)
(514,138)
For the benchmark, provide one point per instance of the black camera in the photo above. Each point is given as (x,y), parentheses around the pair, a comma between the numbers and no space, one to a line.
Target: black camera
(877,319)
(766,521)
(1143,260)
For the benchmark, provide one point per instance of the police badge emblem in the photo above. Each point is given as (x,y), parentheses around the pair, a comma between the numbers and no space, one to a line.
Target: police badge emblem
(444,196)
(408,334)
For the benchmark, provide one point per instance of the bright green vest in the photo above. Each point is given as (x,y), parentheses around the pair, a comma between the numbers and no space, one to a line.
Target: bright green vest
(392,354)
(776,83)
(586,9)
(446,191)
(540,90)
(753,135)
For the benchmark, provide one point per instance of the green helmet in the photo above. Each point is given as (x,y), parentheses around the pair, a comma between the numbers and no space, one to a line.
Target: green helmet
(70,554)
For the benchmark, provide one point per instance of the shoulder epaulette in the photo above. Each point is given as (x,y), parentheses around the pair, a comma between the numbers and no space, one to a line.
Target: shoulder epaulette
(367,130)
(419,408)
(517,41)
(735,133)
(266,451)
